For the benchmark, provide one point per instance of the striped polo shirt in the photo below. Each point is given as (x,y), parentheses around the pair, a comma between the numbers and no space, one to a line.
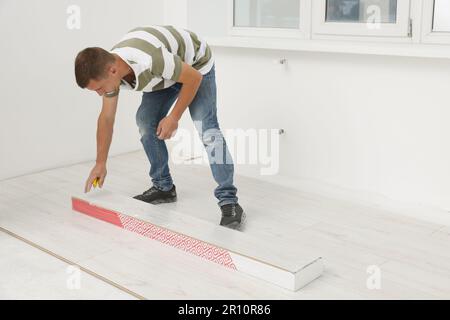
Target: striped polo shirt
(155,54)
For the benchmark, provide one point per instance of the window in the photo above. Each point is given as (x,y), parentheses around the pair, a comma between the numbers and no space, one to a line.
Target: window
(436,21)
(277,18)
(361,11)
(396,23)
(384,18)
(267,13)
(441,16)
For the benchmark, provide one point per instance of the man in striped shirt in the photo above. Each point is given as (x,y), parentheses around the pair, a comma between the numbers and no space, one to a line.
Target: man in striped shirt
(167,64)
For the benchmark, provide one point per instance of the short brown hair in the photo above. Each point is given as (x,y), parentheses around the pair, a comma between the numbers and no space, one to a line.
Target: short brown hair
(91,63)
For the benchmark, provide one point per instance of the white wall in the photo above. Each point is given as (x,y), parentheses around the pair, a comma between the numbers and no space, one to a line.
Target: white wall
(46,120)
(376,126)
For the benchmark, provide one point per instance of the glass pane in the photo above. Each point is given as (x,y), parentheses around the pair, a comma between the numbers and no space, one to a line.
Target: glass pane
(267,13)
(441,19)
(362,11)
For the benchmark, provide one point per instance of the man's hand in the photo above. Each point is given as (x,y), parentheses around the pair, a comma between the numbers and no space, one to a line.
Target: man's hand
(167,127)
(99,171)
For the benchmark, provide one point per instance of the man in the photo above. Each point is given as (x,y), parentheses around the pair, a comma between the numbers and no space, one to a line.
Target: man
(165,63)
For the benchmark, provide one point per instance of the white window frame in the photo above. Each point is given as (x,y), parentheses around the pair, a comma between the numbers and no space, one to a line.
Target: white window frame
(420,42)
(303,32)
(428,35)
(322,29)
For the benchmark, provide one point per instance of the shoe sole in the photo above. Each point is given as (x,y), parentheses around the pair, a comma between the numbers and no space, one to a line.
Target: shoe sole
(159,201)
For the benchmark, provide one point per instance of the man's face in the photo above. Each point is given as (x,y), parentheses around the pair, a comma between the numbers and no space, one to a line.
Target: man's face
(108,84)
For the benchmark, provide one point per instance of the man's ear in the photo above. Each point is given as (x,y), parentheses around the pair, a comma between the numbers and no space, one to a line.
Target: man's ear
(112,70)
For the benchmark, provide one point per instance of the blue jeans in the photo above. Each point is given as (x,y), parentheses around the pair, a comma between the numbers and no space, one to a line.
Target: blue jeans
(203,110)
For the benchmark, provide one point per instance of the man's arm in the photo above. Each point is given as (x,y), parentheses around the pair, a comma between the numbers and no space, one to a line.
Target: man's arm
(191,80)
(105,126)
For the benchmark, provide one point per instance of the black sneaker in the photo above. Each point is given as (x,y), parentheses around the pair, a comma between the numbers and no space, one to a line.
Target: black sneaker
(233,216)
(156,196)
